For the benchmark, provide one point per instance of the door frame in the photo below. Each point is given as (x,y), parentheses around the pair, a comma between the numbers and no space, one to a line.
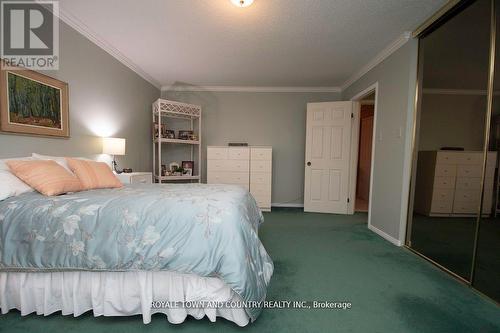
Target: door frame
(355,149)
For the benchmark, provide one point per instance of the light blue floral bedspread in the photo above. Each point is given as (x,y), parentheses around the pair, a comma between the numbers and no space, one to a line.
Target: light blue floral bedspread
(208,230)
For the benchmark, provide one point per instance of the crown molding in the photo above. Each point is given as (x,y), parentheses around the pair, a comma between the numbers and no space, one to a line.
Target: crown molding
(83,29)
(251,89)
(381,56)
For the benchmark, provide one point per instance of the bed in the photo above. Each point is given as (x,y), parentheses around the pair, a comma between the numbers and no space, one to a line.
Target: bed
(135,250)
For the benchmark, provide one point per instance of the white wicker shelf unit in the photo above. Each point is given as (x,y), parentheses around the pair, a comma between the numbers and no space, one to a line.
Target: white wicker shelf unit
(162,110)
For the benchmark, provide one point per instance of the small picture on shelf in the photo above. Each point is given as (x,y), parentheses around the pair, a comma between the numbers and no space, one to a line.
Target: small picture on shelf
(170,134)
(188,167)
(185,134)
(174,166)
(163,130)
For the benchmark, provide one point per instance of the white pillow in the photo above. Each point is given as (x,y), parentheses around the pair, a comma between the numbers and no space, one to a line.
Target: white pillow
(10,185)
(59,160)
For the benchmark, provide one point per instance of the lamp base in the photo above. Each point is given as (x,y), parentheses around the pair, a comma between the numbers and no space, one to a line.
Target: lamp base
(114,164)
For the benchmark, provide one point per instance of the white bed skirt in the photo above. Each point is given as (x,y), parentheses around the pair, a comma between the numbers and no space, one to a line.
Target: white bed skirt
(116,294)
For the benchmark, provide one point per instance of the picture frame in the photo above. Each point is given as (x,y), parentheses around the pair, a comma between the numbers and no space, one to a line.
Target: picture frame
(173,167)
(170,134)
(163,130)
(188,167)
(32,103)
(185,134)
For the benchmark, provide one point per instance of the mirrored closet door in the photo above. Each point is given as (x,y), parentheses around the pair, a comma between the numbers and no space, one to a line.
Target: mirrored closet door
(486,274)
(455,180)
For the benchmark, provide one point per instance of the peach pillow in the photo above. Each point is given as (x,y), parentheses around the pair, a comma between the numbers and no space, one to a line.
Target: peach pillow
(47,177)
(93,175)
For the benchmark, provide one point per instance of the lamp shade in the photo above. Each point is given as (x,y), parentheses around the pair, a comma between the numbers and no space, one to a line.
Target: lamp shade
(113,146)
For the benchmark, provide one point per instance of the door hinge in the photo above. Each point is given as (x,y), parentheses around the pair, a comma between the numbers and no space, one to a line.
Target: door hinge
(348,200)
(352,115)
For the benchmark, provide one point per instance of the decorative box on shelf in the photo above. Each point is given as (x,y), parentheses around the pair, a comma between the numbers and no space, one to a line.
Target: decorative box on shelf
(135,177)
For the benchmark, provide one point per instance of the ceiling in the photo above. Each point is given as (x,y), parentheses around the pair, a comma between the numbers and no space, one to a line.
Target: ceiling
(284,43)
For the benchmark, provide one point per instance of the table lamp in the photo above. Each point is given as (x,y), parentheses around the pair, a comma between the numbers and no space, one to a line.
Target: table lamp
(113,146)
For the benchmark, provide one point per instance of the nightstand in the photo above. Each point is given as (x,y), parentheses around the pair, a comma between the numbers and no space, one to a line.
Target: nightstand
(136,178)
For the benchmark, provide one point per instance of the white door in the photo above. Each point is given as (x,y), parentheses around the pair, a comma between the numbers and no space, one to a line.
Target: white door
(328,148)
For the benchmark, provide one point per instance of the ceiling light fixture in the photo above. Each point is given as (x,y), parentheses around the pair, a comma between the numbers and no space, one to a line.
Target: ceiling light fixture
(242,3)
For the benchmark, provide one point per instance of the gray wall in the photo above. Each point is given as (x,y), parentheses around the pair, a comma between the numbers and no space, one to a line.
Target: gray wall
(274,119)
(105,99)
(396,77)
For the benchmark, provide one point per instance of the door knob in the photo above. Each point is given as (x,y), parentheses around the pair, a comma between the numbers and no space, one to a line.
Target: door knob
(308,163)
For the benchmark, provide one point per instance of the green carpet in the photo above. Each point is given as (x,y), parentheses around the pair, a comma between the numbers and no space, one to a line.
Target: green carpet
(324,257)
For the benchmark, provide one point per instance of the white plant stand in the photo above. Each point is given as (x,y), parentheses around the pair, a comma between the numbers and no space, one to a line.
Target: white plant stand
(162,110)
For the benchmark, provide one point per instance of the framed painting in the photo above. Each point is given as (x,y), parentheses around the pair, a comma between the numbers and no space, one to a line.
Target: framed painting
(34,104)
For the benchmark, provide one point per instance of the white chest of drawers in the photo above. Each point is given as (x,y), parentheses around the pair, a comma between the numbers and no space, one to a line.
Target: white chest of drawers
(249,167)
(448,183)
(261,166)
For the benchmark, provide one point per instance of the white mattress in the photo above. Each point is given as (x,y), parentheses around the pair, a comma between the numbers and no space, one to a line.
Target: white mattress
(116,294)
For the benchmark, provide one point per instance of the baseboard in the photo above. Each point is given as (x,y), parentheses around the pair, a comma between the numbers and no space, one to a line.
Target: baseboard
(291,205)
(385,235)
